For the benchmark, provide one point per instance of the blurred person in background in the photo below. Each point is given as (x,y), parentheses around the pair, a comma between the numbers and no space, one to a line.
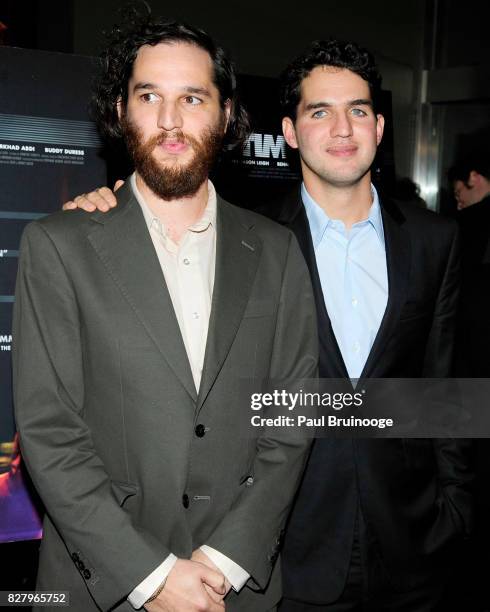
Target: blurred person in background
(470,181)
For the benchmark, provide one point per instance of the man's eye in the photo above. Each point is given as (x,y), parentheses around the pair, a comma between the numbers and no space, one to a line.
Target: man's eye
(193,100)
(358,112)
(149,97)
(319,114)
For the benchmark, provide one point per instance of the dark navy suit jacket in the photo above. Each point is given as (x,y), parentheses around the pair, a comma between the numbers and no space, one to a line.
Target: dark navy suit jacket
(413,494)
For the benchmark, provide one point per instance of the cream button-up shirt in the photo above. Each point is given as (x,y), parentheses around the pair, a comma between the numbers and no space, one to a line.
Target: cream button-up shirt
(188,269)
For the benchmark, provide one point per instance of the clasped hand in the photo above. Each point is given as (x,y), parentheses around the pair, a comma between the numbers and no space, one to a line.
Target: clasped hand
(195,586)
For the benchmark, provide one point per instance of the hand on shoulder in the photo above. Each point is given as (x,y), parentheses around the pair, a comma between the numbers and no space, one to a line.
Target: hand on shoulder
(102,199)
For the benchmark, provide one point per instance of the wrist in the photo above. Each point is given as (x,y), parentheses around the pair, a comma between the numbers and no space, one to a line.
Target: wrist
(157,592)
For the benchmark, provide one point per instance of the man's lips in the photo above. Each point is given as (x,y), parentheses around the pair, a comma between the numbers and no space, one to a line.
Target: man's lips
(174,146)
(342,151)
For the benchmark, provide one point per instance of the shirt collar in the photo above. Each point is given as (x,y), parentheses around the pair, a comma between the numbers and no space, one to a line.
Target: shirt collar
(319,220)
(208,218)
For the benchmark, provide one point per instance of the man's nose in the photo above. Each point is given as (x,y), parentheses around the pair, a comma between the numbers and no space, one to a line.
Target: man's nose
(169,116)
(341,125)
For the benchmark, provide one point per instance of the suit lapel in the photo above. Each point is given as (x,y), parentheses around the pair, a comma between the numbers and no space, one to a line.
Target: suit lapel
(293,215)
(237,257)
(123,243)
(397,243)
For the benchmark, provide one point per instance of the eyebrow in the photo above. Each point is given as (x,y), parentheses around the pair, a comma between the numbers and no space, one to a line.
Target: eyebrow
(144,86)
(187,89)
(323,104)
(198,90)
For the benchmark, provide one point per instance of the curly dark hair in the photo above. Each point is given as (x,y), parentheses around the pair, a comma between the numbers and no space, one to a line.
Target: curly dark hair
(117,61)
(334,53)
(478,161)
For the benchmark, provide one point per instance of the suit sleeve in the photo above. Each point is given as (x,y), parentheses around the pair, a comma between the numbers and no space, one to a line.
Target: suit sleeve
(454,456)
(251,532)
(56,442)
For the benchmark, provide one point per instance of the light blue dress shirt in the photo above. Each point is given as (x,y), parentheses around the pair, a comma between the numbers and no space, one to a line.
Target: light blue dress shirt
(353,274)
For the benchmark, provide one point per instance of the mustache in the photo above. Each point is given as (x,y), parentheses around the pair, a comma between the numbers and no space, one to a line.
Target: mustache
(175,137)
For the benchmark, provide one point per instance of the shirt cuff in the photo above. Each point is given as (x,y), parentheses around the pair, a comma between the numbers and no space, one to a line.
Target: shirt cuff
(235,574)
(150,584)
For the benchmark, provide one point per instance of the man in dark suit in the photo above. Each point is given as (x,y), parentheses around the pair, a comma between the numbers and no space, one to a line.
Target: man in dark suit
(132,331)
(470,181)
(374,520)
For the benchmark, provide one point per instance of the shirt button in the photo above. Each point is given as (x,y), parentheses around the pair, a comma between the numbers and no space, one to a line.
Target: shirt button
(186,261)
(354,301)
(356,347)
(195,315)
(185,500)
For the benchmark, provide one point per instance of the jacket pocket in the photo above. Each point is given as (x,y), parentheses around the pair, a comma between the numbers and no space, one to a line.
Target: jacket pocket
(123,490)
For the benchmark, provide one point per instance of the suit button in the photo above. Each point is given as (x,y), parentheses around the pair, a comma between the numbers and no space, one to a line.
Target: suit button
(185,500)
(272,558)
(75,557)
(200,430)
(80,565)
(87,574)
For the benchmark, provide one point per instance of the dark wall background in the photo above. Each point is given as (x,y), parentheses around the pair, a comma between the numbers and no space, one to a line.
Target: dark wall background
(261,36)
(406,37)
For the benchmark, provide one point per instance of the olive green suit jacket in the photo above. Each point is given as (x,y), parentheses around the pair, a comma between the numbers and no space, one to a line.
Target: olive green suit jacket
(108,413)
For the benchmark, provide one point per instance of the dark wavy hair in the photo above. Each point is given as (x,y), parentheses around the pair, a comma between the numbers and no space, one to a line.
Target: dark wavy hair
(123,44)
(478,161)
(336,53)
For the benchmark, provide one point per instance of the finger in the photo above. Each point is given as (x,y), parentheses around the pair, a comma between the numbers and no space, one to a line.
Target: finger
(213,579)
(211,605)
(205,603)
(216,597)
(217,606)
(108,195)
(117,184)
(70,205)
(82,202)
(98,201)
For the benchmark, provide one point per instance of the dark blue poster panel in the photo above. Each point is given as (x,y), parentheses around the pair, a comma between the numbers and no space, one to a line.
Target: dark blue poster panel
(49,152)
(265,170)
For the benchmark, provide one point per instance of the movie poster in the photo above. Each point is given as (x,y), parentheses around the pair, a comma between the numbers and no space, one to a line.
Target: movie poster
(49,152)
(265,170)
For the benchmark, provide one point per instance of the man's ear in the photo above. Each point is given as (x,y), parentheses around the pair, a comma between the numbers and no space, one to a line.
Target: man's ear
(228,105)
(289,132)
(119,107)
(473,178)
(380,126)
(227,111)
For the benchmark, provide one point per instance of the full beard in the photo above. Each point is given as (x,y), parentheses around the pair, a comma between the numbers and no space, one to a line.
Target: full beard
(179,181)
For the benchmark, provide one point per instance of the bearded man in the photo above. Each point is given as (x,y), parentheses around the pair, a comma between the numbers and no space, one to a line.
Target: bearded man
(132,329)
